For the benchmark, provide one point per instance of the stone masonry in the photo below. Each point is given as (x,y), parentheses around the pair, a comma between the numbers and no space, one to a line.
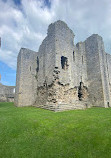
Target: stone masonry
(63,76)
(7,93)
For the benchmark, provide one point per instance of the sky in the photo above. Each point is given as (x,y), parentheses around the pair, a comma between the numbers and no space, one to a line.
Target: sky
(24,23)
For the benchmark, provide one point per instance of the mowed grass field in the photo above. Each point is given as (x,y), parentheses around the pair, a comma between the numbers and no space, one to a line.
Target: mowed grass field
(29,132)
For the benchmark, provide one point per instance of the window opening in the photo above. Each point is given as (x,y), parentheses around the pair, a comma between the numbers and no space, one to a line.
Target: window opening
(64,63)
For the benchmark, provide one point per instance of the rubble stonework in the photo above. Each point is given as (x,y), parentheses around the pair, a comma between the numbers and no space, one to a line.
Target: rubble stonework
(61,75)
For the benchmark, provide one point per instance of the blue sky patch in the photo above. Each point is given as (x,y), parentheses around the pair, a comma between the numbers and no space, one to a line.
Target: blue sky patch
(8,76)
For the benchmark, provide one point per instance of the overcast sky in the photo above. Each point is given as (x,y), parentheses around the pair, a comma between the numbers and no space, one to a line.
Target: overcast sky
(24,24)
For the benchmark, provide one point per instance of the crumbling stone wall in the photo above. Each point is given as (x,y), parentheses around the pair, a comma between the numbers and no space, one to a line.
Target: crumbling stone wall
(57,77)
(7,93)
(56,93)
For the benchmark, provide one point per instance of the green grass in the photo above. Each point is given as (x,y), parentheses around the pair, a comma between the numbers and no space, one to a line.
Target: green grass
(30,132)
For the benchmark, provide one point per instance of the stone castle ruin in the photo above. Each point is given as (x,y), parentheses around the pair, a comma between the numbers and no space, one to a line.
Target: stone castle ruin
(63,76)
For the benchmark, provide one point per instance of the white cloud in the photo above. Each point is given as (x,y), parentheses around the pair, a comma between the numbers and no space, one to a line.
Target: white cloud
(26,25)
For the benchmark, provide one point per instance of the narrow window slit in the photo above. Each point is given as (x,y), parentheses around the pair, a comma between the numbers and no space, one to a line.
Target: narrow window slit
(37,64)
(73,56)
(82,60)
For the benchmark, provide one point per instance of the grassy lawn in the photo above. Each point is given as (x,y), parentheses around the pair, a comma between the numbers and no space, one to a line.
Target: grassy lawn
(30,132)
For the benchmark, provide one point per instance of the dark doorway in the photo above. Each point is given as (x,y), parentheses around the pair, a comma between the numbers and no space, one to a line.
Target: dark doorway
(108,104)
(82,92)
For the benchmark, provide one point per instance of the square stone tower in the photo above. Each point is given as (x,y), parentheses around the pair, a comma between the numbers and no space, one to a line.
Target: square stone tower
(26,83)
(99,90)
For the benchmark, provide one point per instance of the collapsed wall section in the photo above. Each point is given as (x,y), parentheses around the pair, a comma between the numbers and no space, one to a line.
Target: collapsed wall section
(26,83)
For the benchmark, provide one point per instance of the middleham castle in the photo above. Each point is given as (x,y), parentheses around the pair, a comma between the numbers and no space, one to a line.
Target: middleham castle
(63,76)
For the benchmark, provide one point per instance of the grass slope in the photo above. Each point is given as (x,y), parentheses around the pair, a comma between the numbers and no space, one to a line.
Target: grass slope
(30,132)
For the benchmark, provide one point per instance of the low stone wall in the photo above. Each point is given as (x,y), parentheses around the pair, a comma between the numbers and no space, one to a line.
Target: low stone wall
(7,93)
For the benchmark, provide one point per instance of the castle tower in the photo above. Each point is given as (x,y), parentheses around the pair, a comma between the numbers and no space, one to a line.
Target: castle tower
(97,72)
(26,84)
(57,74)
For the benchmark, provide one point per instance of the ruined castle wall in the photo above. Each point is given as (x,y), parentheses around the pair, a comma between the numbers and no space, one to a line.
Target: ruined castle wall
(18,79)
(95,69)
(108,61)
(46,57)
(95,88)
(81,64)
(66,83)
(7,93)
(64,49)
(104,72)
(75,75)
(57,76)
(61,67)
(26,84)
(64,76)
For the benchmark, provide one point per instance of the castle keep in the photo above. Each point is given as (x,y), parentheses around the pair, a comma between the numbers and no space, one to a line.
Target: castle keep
(61,75)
